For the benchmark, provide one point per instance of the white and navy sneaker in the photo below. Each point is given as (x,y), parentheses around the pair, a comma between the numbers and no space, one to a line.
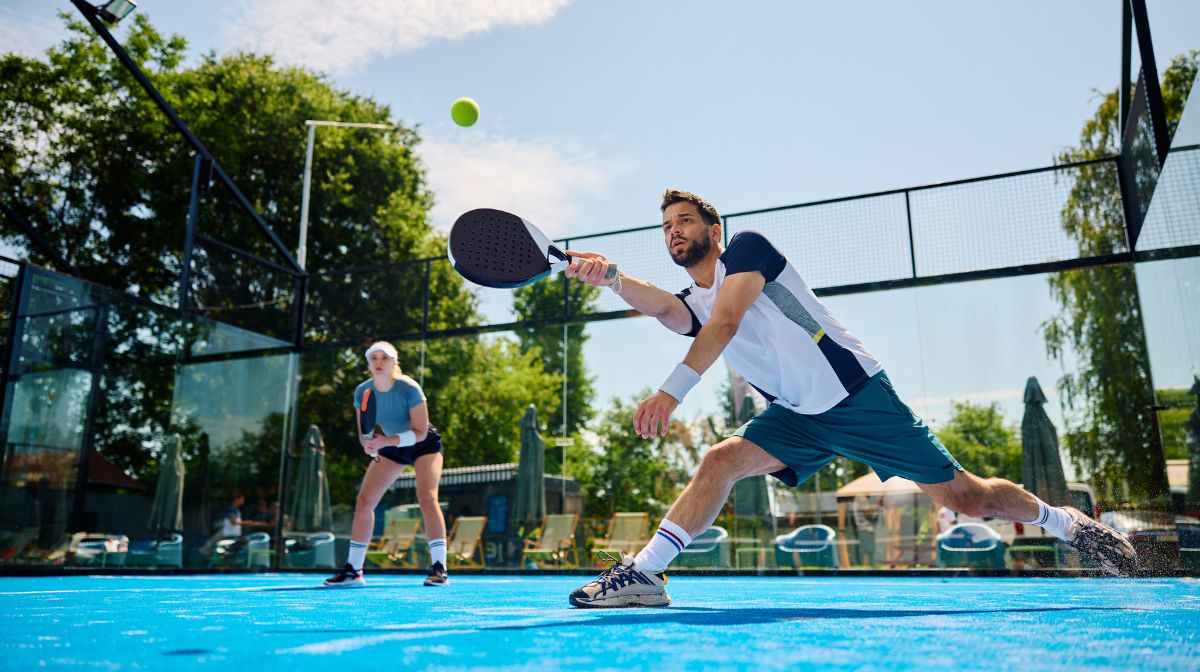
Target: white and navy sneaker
(623,585)
(347,578)
(437,575)
(1108,547)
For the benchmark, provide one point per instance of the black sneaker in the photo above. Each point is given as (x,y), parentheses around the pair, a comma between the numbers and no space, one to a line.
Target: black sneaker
(1108,547)
(437,576)
(347,578)
(623,585)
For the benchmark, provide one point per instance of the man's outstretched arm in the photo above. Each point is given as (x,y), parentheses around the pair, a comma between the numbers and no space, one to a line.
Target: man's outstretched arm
(734,298)
(644,297)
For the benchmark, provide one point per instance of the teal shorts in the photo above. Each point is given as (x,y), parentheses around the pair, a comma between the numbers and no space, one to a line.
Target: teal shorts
(871,425)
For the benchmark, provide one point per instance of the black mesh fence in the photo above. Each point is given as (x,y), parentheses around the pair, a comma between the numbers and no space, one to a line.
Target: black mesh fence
(1171,220)
(1008,224)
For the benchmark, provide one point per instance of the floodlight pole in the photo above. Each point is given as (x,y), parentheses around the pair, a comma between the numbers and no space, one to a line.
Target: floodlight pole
(302,248)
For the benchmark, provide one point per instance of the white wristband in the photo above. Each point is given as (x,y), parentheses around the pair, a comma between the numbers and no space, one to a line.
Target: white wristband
(615,286)
(406,439)
(681,380)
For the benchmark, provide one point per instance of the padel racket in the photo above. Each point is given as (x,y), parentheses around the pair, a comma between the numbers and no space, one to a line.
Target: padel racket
(366,416)
(498,249)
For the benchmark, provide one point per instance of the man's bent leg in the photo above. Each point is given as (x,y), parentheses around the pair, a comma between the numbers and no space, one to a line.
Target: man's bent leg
(700,502)
(997,498)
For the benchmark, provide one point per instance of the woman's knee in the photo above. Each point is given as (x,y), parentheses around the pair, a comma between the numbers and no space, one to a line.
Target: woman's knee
(427,498)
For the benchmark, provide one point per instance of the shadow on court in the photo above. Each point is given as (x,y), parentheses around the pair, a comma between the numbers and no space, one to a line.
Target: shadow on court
(702,616)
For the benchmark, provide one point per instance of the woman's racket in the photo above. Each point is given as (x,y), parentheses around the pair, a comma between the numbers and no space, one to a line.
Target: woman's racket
(498,249)
(366,416)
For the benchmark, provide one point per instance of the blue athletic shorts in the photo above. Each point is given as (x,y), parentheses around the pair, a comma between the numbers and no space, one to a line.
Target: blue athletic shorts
(871,425)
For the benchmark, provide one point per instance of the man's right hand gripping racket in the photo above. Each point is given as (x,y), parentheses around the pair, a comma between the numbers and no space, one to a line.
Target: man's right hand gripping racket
(498,249)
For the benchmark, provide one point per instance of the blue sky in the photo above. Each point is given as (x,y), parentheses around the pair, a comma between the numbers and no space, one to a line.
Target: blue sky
(590,109)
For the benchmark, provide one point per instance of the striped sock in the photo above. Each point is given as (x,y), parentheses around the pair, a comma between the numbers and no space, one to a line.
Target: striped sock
(358,553)
(437,551)
(1052,519)
(668,542)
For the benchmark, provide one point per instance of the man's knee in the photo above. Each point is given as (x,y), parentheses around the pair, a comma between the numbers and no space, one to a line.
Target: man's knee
(967,495)
(724,461)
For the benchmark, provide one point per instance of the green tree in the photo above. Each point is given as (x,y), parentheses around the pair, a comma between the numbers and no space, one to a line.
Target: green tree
(482,406)
(95,167)
(621,471)
(977,436)
(1112,436)
(1173,421)
(543,300)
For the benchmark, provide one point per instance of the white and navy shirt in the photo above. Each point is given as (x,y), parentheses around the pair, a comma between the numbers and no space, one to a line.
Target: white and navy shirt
(788,346)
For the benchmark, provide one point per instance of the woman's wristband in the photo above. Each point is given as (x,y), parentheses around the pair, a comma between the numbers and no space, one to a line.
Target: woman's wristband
(405,439)
(680,382)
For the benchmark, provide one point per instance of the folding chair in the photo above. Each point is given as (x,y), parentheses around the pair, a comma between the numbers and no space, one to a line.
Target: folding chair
(626,532)
(463,543)
(556,540)
(394,547)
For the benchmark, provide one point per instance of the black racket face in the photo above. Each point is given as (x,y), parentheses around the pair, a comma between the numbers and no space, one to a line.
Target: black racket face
(366,413)
(494,248)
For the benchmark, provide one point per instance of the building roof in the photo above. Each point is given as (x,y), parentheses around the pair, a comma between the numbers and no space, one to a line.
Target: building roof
(486,473)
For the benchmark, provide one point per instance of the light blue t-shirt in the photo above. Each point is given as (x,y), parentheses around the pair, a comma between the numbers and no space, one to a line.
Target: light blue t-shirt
(391,407)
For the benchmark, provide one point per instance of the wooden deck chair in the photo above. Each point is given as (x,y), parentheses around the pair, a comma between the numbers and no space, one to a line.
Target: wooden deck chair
(394,548)
(556,540)
(463,542)
(626,533)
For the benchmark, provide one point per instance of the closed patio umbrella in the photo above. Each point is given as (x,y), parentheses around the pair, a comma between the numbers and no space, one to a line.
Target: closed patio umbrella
(166,515)
(1191,429)
(1041,465)
(309,510)
(530,507)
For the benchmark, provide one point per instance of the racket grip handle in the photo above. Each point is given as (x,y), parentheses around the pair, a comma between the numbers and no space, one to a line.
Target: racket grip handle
(611,272)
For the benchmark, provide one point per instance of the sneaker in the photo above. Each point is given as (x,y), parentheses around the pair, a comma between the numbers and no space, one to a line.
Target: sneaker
(347,578)
(623,585)
(437,576)
(1111,549)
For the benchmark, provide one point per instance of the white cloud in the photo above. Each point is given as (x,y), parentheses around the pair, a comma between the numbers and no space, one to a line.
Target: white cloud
(28,33)
(544,181)
(339,36)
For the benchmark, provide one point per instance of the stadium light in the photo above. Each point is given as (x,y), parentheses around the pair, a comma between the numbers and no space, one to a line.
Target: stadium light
(115,10)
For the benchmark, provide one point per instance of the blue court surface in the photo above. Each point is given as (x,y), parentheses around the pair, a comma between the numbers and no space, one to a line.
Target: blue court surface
(266,622)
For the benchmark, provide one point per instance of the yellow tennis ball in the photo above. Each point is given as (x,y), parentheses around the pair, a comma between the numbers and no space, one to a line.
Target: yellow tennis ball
(464,111)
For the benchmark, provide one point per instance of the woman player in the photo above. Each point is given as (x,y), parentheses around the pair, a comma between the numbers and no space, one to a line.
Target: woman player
(406,438)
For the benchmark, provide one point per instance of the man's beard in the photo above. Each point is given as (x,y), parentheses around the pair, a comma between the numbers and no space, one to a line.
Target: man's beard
(693,252)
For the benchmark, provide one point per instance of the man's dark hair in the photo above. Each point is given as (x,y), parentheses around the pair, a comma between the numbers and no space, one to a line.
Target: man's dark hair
(707,211)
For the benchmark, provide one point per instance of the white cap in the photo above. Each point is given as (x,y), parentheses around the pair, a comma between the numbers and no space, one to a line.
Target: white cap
(382,347)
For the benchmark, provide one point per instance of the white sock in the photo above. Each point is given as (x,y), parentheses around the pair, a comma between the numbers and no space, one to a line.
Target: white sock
(668,542)
(1053,519)
(358,553)
(437,551)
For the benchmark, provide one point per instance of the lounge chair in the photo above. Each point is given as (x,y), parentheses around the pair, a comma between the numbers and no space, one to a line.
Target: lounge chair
(463,542)
(626,533)
(164,551)
(309,550)
(710,548)
(970,545)
(394,548)
(555,542)
(807,546)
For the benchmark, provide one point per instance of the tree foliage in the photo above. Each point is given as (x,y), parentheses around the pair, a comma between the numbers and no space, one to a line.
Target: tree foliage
(1112,434)
(620,471)
(95,167)
(977,436)
(543,300)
